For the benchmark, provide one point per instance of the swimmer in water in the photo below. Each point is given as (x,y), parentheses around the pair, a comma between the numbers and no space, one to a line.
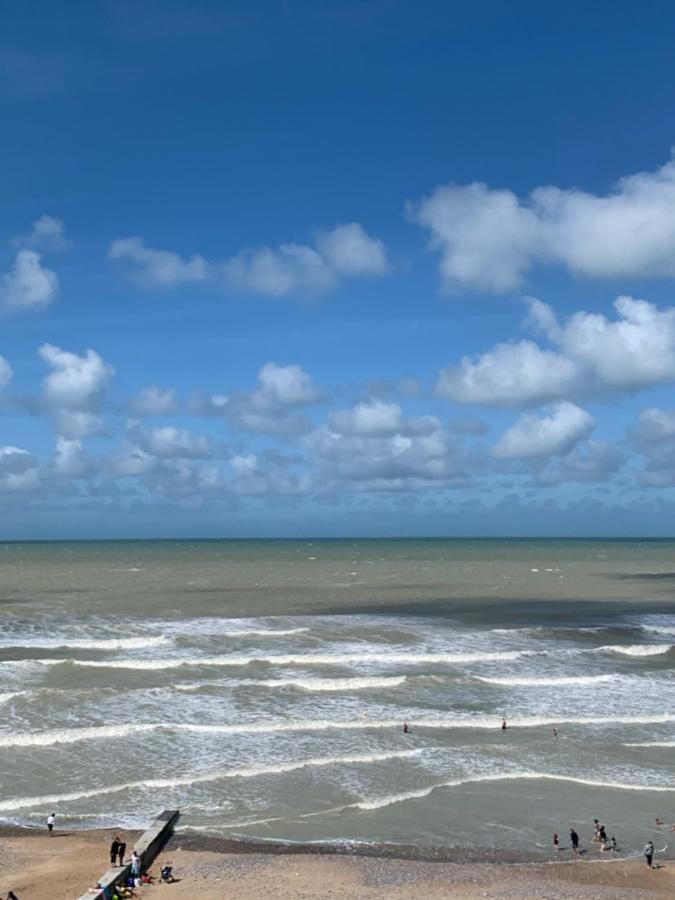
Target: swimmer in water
(556,841)
(659,822)
(405,728)
(554,732)
(503,724)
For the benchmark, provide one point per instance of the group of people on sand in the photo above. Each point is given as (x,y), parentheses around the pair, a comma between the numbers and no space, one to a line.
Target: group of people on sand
(607,844)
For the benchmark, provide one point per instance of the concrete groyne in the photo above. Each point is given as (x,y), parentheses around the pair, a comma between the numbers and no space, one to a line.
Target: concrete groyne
(147,846)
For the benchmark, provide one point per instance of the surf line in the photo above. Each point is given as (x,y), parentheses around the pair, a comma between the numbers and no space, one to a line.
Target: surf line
(131,729)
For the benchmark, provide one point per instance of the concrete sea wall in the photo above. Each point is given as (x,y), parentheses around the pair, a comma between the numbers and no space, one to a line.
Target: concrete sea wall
(147,846)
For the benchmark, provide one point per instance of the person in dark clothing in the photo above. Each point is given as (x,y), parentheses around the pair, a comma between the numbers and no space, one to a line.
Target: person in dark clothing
(114,850)
(121,850)
(649,853)
(574,837)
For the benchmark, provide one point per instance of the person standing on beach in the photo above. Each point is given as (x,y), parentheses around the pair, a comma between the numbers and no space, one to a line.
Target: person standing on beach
(114,849)
(135,865)
(574,837)
(50,823)
(121,850)
(649,853)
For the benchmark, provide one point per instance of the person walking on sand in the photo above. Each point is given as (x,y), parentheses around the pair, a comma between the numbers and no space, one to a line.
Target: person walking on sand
(114,849)
(574,838)
(649,853)
(121,850)
(50,823)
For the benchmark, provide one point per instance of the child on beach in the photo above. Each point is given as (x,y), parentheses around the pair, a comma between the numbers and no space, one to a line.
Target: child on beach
(50,823)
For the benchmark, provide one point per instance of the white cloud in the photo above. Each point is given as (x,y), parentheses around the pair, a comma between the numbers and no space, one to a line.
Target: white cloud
(273,407)
(347,250)
(153,401)
(14,461)
(69,459)
(376,418)
(47,233)
(277,273)
(5,372)
(656,425)
(74,388)
(350,250)
(28,285)
(553,434)
(159,267)
(169,442)
(511,374)
(488,239)
(592,354)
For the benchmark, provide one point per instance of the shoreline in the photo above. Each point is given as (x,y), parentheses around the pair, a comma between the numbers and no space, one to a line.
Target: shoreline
(64,866)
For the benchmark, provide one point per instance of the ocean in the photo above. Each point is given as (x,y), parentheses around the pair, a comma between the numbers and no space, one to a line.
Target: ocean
(262,686)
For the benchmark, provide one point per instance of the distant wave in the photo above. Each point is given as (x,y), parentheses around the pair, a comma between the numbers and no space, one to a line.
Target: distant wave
(263,632)
(391,799)
(334,684)
(296,659)
(197,778)
(537,681)
(638,649)
(660,629)
(131,729)
(131,643)
(652,744)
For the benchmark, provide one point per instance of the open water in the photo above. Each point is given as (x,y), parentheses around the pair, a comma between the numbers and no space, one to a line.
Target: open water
(262,686)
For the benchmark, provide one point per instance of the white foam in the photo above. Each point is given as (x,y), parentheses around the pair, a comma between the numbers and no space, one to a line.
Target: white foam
(652,744)
(541,681)
(638,649)
(660,629)
(130,729)
(199,778)
(334,684)
(9,695)
(391,799)
(132,643)
(297,659)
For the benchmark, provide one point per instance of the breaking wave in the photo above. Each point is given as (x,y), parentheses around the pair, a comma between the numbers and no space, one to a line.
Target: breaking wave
(542,681)
(638,649)
(130,729)
(391,799)
(132,643)
(186,780)
(297,659)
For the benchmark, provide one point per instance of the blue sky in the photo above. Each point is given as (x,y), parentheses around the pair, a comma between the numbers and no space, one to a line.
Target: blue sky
(343,269)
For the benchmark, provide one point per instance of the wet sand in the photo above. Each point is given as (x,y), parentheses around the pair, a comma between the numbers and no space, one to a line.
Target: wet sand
(37,867)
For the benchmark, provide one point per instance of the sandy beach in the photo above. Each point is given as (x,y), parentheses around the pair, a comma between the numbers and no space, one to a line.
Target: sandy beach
(35,867)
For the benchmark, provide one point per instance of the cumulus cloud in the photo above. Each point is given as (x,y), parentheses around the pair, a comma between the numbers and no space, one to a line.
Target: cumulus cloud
(654,437)
(511,374)
(169,442)
(159,267)
(592,354)
(347,250)
(69,459)
(47,233)
(350,250)
(5,372)
(488,239)
(18,470)
(375,418)
(273,407)
(554,433)
(74,388)
(153,401)
(28,285)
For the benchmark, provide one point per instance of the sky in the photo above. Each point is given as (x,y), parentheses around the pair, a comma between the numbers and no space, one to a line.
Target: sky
(374,268)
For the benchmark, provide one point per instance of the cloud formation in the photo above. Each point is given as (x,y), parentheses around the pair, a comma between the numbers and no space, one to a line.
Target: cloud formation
(290,268)
(592,354)
(47,233)
(489,239)
(74,388)
(28,286)
(554,433)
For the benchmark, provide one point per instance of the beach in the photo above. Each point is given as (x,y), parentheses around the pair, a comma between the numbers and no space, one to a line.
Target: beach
(35,867)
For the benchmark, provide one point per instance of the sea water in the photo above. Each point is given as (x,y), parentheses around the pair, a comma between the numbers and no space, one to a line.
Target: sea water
(262,686)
